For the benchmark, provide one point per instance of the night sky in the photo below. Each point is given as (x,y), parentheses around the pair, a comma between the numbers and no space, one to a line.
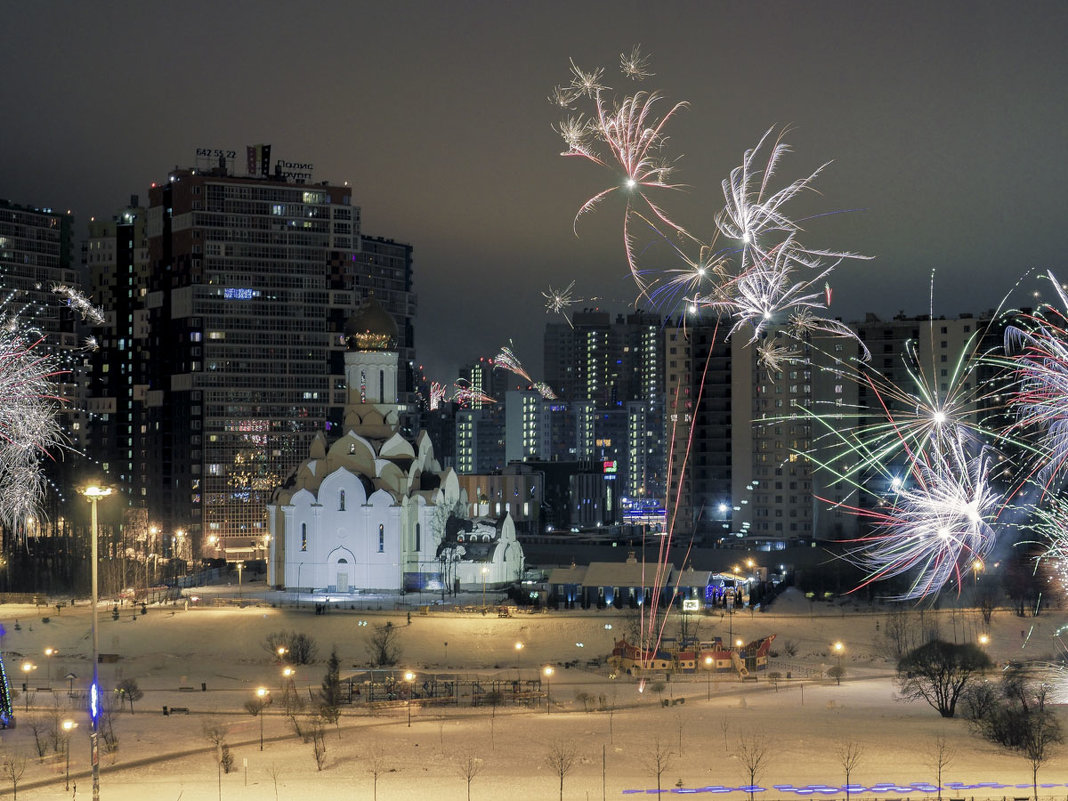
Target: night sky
(946,123)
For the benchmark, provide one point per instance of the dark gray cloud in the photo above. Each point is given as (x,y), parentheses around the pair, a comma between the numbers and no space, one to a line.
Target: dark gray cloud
(945,122)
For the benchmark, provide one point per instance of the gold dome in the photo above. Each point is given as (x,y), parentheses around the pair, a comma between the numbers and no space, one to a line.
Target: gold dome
(371,327)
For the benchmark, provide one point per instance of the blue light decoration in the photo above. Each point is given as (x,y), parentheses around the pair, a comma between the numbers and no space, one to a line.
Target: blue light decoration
(7,715)
(94,702)
(236,293)
(881,788)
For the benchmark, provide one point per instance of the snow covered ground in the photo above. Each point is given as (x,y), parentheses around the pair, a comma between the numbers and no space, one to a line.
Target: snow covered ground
(168,757)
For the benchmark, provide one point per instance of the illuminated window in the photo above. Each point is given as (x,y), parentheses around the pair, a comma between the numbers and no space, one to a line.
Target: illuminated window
(381,538)
(304,536)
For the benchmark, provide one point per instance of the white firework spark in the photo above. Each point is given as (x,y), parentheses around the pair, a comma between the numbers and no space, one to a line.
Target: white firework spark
(936,524)
(544,390)
(29,427)
(507,360)
(81,304)
(1037,350)
(635,65)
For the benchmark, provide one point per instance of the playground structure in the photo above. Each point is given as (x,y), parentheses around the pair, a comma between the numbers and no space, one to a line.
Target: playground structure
(691,656)
(7,714)
(384,688)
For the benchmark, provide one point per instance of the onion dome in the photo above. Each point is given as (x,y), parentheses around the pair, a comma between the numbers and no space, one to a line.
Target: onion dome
(371,327)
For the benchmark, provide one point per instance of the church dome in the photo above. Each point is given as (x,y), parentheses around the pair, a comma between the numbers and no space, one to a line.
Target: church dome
(371,327)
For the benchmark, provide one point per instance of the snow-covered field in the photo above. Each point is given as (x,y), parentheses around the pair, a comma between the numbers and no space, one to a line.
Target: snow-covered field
(168,757)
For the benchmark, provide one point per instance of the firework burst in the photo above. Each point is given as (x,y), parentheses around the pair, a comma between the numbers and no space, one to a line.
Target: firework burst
(934,525)
(1037,352)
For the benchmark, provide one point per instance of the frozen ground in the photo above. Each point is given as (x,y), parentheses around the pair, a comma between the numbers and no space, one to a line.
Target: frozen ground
(222,648)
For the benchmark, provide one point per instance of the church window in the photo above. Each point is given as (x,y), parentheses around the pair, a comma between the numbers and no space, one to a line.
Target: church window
(304,536)
(381,538)
(382,386)
(341,501)
(417,536)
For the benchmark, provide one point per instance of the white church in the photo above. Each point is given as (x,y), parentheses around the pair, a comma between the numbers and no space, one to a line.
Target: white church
(372,511)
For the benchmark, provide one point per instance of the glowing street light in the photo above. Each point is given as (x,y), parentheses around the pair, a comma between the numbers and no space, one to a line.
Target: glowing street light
(264,697)
(49,653)
(984,639)
(26,668)
(93,494)
(68,727)
(548,671)
(518,648)
(838,649)
(708,678)
(409,677)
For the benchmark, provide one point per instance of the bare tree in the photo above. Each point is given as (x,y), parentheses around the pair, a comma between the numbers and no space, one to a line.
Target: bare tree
(296,648)
(836,672)
(13,766)
(468,766)
(724,726)
(939,672)
(316,733)
(987,598)
(383,645)
(848,753)
(129,692)
(657,760)
(753,753)
(561,759)
(273,773)
(939,755)
(38,726)
(377,766)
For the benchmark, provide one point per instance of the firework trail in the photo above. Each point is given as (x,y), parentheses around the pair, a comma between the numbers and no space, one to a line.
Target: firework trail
(544,390)
(465,395)
(507,360)
(626,136)
(437,395)
(81,304)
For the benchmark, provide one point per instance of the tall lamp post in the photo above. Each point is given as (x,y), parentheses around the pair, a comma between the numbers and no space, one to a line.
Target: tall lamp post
(26,668)
(262,696)
(708,678)
(548,671)
(518,648)
(49,653)
(838,648)
(94,493)
(68,727)
(409,677)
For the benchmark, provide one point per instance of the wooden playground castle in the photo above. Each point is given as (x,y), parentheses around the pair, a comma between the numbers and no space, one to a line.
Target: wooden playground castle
(692,656)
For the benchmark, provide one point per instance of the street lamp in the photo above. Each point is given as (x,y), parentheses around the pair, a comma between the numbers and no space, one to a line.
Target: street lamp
(263,694)
(838,648)
(708,678)
(409,677)
(282,650)
(94,493)
(984,639)
(518,648)
(49,653)
(548,671)
(26,668)
(68,727)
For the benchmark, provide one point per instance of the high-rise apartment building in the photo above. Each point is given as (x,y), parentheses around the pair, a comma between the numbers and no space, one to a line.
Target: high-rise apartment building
(251,280)
(116,254)
(614,364)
